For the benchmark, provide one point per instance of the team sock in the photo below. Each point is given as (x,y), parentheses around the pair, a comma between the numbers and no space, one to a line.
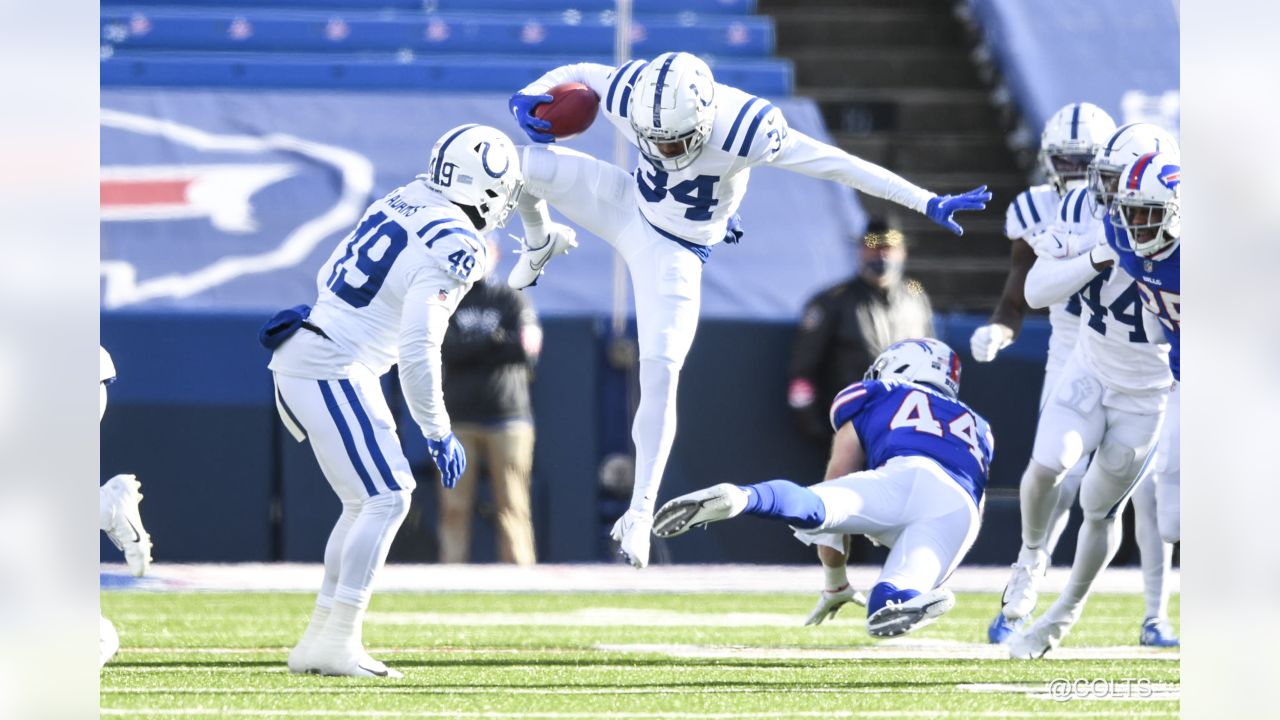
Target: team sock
(785,500)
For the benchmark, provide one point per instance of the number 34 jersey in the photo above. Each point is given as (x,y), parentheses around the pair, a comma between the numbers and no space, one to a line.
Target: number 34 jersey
(896,419)
(411,249)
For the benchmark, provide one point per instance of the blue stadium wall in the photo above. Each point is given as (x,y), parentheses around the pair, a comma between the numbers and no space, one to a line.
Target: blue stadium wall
(192,415)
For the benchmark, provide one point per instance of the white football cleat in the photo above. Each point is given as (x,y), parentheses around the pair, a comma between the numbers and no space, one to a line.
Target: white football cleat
(830,602)
(1036,639)
(632,533)
(300,660)
(1022,593)
(718,502)
(560,239)
(108,641)
(352,664)
(125,528)
(901,618)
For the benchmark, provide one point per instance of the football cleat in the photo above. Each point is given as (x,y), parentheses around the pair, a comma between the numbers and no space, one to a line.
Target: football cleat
(718,502)
(1158,633)
(900,618)
(631,532)
(300,660)
(1033,641)
(108,641)
(356,664)
(1021,594)
(125,528)
(1001,628)
(560,239)
(831,601)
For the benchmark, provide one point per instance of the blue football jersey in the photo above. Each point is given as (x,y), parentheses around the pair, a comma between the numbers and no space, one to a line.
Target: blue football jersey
(1159,283)
(895,418)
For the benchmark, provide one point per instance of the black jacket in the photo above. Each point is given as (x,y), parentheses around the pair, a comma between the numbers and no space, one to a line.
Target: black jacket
(842,330)
(489,353)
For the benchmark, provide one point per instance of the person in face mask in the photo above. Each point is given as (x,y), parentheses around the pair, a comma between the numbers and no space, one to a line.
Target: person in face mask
(844,327)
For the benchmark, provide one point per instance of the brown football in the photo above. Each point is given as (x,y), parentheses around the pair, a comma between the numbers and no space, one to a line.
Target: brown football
(572,109)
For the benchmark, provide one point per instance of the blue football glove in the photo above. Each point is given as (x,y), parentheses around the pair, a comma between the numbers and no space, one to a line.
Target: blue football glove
(942,207)
(522,107)
(450,457)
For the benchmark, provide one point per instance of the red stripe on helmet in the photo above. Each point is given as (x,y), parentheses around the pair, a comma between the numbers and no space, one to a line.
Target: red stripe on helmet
(1139,168)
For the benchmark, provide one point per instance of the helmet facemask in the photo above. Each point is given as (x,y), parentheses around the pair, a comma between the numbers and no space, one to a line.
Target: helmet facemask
(1151,226)
(686,146)
(1064,169)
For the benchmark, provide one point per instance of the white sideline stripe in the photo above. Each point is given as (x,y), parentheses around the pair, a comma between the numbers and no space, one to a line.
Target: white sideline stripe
(1058,711)
(301,577)
(1159,691)
(593,617)
(902,649)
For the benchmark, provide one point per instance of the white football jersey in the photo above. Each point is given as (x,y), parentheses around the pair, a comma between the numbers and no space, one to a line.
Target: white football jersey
(695,204)
(1031,211)
(1123,345)
(410,246)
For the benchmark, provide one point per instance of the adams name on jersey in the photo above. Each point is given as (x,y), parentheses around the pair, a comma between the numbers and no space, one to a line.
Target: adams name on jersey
(895,418)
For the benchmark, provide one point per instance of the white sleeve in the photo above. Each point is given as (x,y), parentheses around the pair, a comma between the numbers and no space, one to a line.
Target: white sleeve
(801,153)
(423,323)
(592,75)
(1052,280)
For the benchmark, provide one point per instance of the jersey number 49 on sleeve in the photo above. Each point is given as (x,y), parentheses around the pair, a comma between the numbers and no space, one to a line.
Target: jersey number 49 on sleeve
(375,251)
(695,193)
(916,414)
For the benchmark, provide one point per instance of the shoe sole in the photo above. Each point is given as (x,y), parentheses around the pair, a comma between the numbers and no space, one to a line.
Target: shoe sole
(677,517)
(901,621)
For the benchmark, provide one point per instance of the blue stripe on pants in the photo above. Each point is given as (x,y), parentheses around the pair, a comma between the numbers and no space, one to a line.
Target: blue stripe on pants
(348,441)
(366,428)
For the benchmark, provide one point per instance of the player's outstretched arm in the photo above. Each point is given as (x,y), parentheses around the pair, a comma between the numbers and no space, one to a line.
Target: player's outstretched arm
(1005,323)
(423,325)
(522,104)
(800,153)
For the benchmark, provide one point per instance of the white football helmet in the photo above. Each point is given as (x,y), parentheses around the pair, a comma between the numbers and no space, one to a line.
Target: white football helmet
(924,360)
(1070,140)
(1127,144)
(1147,205)
(477,167)
(672,109)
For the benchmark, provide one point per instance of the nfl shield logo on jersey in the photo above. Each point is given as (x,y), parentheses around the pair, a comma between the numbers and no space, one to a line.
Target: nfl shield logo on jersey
(200,217)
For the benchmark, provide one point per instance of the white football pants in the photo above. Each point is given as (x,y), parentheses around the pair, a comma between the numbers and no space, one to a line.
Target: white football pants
(353,435)
(1076,421)
(1044,532)
(909,505)
(666,279)
(1169,472)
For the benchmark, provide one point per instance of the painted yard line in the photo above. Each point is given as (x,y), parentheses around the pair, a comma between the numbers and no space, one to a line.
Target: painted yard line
(1058,711)
(887,651)
(1157,691)
(299,577)
(593,617)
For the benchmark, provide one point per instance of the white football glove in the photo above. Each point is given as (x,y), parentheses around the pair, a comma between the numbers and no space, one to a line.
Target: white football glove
(632,532)
(1059,245)
(560,239)
(830,602)
(989,340)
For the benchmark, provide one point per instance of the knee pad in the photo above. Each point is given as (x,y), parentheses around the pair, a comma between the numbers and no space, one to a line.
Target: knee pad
(1115,457)
(388,504)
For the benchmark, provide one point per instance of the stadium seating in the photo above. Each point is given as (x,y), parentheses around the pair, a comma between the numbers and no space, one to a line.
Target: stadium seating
(471,47)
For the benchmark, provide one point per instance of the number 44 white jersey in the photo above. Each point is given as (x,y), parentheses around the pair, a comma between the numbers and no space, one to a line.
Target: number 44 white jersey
(696,203)
(411,249)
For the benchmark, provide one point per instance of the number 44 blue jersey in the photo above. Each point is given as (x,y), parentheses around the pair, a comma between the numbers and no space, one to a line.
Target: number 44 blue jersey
(894,419)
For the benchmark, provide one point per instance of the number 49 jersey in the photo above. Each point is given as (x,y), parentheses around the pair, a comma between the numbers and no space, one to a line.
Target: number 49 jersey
(894,419)
(411,247)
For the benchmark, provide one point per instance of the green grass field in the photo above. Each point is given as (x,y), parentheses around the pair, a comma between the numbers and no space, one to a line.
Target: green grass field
(613,655)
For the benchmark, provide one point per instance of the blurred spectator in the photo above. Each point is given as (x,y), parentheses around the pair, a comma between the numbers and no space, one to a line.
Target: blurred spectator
(846,326)
(489,353)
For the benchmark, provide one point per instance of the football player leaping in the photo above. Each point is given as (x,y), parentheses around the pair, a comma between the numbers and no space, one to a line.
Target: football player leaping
(386,295)
(1109,401)
(698,142)
(908,469)
(118,516)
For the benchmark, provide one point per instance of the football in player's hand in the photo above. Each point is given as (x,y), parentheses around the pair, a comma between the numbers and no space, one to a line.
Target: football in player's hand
(572,109)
